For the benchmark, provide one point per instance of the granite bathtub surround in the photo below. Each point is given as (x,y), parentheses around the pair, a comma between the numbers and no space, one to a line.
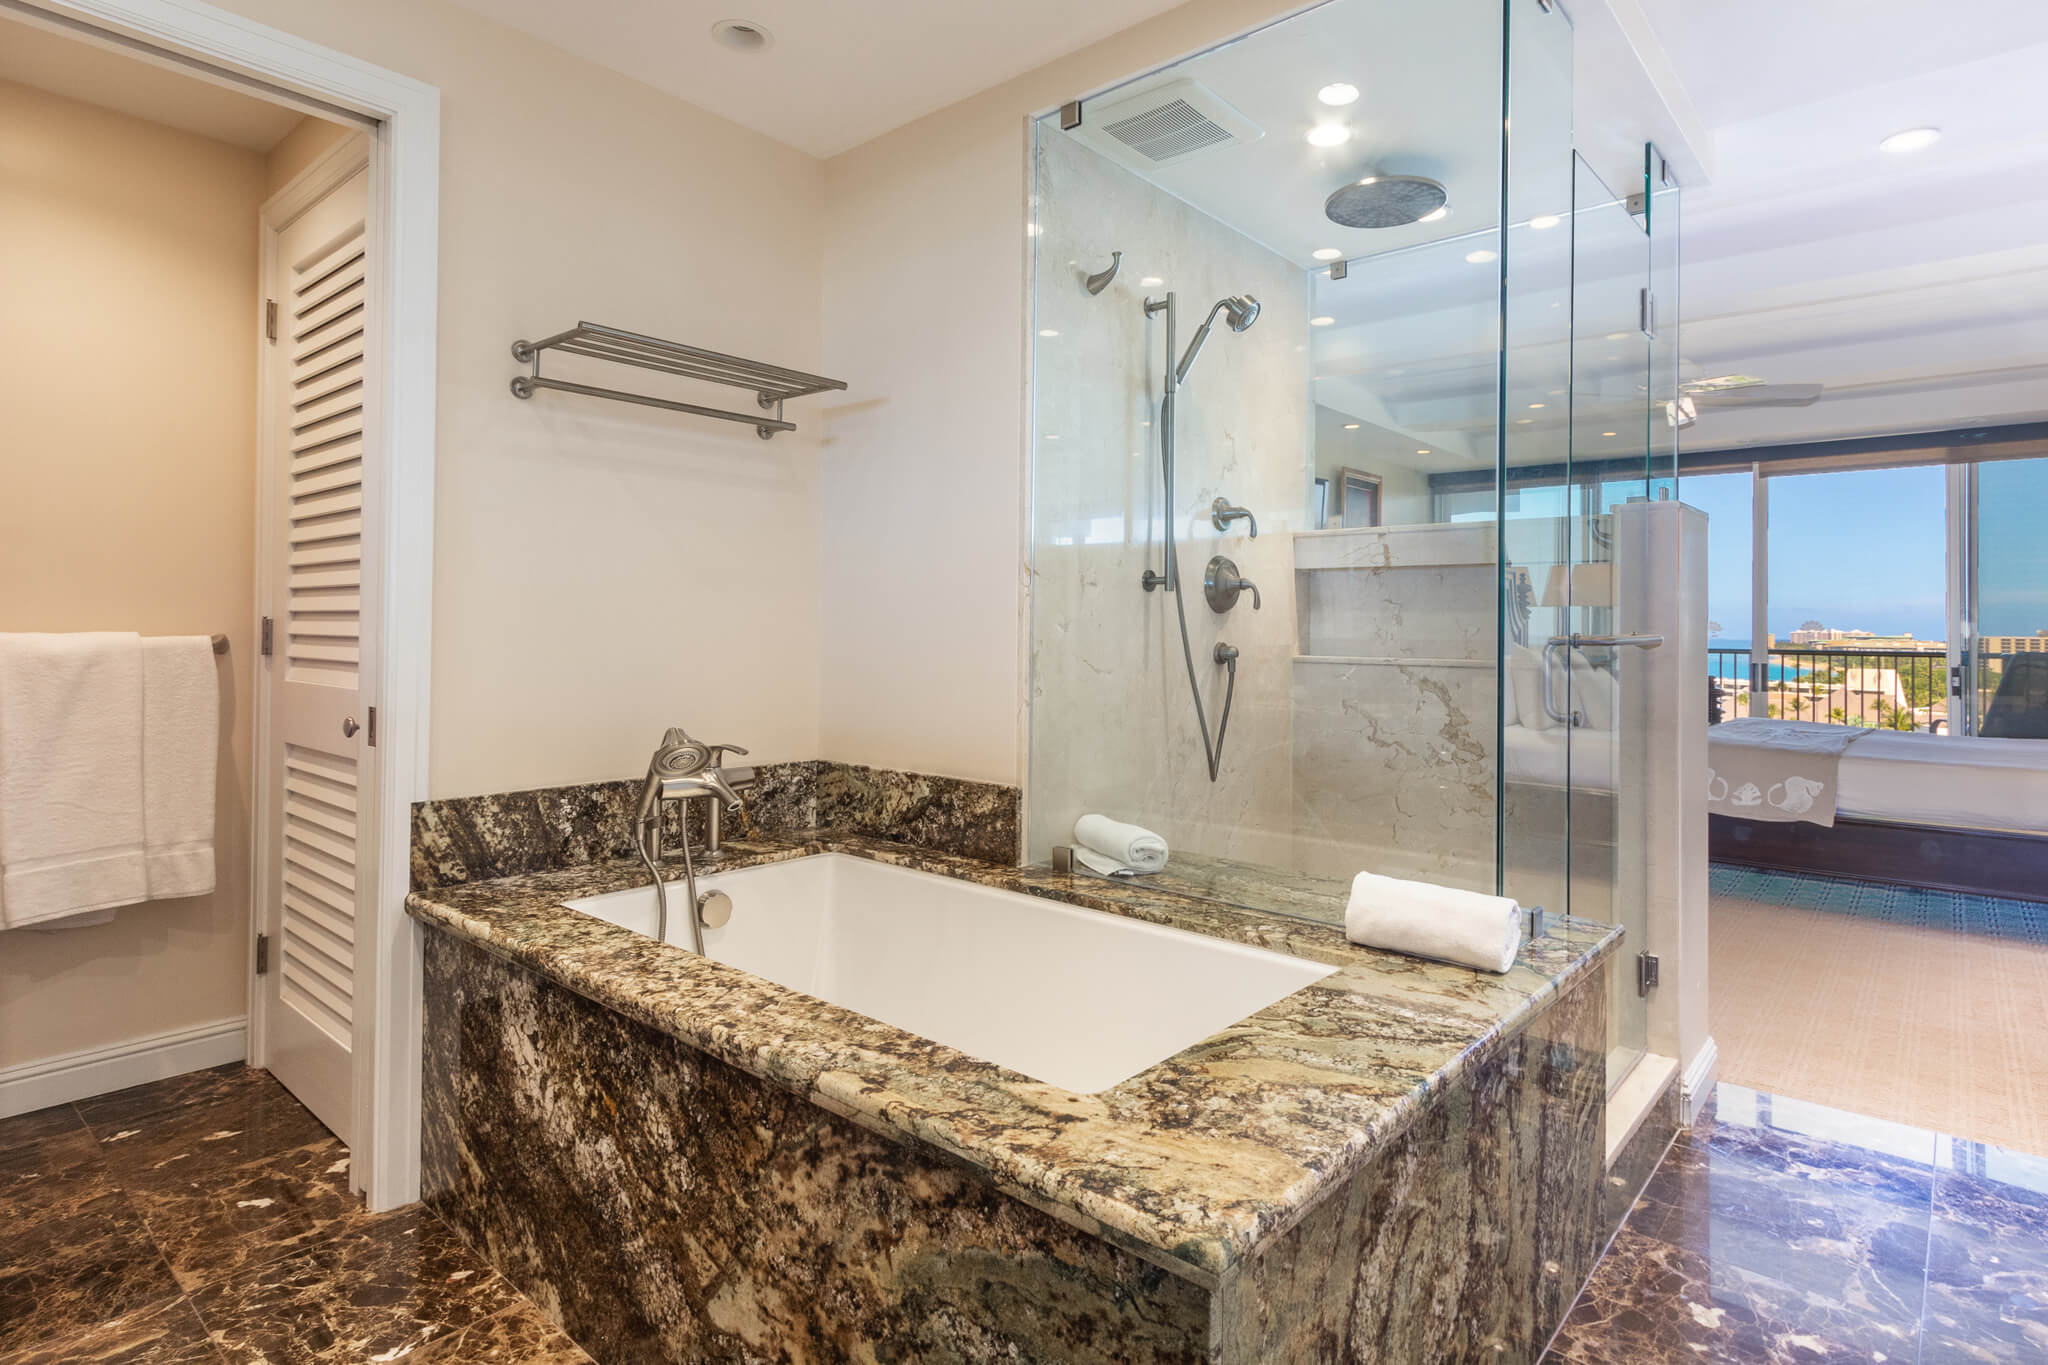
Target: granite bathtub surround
(680,1161)
(476,838)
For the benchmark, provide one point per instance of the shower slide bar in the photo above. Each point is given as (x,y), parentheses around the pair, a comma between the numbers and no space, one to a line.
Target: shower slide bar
(772,385)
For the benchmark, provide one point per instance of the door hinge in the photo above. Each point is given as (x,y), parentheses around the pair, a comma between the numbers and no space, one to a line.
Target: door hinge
(372,736)
(1646,973)
(270,319)
(265,650)
(1955,680)
(1070,115)
(1646,309)
(262,954)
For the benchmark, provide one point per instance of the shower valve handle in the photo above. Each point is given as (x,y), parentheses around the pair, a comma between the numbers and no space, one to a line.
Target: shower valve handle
(1222,583)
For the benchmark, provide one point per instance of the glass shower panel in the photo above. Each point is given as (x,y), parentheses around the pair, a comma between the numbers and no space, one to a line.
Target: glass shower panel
(1537,502)
(1617,431)
(1340,715)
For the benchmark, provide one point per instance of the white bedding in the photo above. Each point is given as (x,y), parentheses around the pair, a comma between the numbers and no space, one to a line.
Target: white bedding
(1907,777)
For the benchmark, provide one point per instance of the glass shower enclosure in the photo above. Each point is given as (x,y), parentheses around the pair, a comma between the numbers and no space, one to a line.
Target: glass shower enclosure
(1344,368)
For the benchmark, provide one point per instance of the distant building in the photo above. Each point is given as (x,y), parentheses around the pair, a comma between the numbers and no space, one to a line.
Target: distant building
(1822,635)
(2037,643)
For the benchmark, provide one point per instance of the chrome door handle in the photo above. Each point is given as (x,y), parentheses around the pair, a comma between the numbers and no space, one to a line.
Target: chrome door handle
(349,727)
(1576,641)
(1608,641)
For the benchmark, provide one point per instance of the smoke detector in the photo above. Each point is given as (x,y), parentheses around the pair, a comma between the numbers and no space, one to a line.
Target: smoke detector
(1164,124)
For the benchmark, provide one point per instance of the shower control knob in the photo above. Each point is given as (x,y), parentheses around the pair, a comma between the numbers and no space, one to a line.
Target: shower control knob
(1222,583)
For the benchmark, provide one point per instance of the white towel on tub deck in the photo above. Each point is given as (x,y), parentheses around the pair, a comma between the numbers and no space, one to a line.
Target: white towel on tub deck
(180,751)
(71,833)
(1777,770)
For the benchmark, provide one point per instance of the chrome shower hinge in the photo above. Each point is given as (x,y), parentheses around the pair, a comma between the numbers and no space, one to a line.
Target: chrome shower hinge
(1646,973)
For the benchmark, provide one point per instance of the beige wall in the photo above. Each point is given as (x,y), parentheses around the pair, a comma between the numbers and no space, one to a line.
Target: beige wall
(924,314)
(601,570)
(308,140)
(127,376)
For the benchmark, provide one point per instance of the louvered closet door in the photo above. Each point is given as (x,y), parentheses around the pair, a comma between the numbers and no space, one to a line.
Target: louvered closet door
(314,671)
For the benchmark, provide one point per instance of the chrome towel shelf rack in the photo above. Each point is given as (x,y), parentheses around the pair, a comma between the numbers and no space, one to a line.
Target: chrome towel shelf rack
(772,385)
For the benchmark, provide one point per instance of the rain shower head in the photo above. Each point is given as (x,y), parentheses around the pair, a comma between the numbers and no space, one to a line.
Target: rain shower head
(1239,310)
(1385,201)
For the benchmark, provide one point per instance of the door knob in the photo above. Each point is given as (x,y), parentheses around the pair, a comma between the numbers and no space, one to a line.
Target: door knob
(349,727)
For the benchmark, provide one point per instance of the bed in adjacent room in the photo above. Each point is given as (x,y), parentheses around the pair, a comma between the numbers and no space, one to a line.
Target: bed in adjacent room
(1942,811)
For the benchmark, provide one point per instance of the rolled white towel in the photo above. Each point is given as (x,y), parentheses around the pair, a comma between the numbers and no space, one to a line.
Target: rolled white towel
(1424,920)
(1130,846)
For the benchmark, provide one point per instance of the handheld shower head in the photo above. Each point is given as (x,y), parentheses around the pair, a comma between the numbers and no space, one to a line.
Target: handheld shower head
(1241,310)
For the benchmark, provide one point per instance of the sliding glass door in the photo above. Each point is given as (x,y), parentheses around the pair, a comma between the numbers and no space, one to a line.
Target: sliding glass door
(2003,600)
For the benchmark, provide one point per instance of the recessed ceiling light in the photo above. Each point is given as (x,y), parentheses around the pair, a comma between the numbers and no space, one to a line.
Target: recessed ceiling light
(1533,405)
(1435,215)
(1351,426)
(1521,421)
(741,35)
(1481,257)
(1910,140)
(1610,433)
(1050,437)
(1320,322)
(1327,253)
(1617,336)
(1338,92)
(1151,280)
(1328,135)
(1422,452)
(1545,220)
(1048,332)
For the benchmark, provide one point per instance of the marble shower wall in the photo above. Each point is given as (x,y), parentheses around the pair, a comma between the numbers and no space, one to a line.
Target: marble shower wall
(1113,728)
(1395,696)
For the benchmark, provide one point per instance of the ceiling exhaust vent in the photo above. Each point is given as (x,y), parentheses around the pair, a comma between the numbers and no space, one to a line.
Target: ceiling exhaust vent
(1164,124)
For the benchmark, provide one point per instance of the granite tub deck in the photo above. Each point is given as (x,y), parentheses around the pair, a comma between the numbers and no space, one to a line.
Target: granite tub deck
(685,1162)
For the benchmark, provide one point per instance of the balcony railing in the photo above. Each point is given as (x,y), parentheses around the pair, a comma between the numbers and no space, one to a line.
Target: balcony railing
(1883,689)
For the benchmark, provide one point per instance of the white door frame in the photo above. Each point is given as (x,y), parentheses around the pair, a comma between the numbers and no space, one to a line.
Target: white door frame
(404,233)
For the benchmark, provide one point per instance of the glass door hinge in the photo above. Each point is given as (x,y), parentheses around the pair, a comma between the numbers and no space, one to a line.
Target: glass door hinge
(1646,973)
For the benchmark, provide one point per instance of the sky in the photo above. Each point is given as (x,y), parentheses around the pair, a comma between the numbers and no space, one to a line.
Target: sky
(1863,550)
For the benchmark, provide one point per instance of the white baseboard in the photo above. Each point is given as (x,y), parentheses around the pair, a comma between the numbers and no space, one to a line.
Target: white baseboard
(30,1086)
(1634,1098)
(1698,1081)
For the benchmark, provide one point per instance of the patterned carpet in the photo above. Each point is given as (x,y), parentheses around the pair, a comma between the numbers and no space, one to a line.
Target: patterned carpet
(1987,916)
(1925,1008)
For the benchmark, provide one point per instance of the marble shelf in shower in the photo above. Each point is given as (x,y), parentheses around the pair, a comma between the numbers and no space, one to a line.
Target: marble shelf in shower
(1443,545)
(1388,661)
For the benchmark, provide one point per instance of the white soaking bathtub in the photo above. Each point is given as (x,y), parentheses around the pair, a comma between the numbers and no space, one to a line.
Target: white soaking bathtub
(1077,998)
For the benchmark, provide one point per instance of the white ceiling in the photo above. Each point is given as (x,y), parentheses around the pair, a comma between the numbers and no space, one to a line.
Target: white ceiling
(839,72)
(34,56)
(1915,287)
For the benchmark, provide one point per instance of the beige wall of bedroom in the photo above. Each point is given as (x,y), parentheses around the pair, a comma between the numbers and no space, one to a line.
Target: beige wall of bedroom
(925,298)
(603,571)
(130,503)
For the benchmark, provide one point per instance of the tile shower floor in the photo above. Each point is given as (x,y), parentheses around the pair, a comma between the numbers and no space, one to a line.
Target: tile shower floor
(1786,1232)
(206,1220)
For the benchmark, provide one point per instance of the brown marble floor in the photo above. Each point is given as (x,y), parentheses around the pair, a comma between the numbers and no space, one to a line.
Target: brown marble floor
(1779,1232)
(206,1220)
